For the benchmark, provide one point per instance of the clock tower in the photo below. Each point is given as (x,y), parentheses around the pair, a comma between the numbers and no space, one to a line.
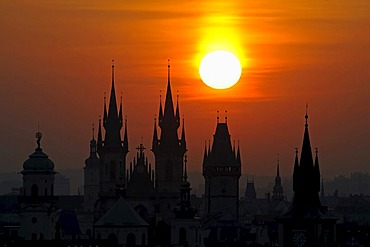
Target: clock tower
(221,171)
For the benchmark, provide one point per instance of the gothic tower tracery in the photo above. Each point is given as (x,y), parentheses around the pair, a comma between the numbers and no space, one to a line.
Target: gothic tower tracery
(112,150)
(168,149)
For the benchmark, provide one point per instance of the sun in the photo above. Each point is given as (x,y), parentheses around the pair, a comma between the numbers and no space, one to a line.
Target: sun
(220,69)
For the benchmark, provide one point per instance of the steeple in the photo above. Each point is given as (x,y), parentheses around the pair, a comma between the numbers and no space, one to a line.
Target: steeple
(160,113)
(169,122)
(277,191)
(184,210)
(306,176)
(112,121)
(167,147)
(155,135)
(105,114)
(306,154)
(93,145)
(113,149)
(120,111)
(168,105)
(238,158)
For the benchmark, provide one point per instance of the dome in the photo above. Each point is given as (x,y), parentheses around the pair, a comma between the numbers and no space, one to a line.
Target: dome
(185,184)
(38,161)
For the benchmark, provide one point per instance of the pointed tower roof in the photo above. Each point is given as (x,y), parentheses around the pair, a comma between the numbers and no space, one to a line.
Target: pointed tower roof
(121,214)
(238,157)
(125,136)
(155,135)
(120,117)
(169,124)
(168,105)
(112,121)
(160,113)
(306,154)
(93,158)
(221,148)
(112,110)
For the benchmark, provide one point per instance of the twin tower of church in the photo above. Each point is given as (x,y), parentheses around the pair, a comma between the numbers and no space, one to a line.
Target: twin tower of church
(106,168)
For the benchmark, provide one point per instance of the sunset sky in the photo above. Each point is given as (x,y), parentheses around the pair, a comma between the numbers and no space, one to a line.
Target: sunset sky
(55,65)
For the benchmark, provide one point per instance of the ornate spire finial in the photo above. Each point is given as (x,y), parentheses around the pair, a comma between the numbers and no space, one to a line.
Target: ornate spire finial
(168,66)
(38,136)
(296,151)
(306,116)
(218,117)
(226,116)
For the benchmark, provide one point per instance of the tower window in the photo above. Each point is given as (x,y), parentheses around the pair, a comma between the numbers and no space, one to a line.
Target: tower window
(34,190)
(34,220)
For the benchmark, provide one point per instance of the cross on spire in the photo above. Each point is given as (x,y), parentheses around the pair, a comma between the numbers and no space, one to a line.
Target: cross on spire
(141,148)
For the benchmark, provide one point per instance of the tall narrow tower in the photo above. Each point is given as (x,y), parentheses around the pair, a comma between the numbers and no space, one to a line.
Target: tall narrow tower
(307,222)
(112,150)
(278,191)
(91,176)
(221,171)
(168,150)
(37,213)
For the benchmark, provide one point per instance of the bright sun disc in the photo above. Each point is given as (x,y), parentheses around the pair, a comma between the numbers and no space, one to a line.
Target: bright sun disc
(220,69)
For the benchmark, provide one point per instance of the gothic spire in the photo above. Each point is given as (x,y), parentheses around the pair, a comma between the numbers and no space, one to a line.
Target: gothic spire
(113,122)
(112,110)
(120,111)
(160,114)
(93,143)
(125,136)
(105,115)
(168,105)
(306,154)
(155,135)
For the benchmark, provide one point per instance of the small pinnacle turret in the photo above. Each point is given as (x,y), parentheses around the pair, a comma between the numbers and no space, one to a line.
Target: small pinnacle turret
(277,191)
